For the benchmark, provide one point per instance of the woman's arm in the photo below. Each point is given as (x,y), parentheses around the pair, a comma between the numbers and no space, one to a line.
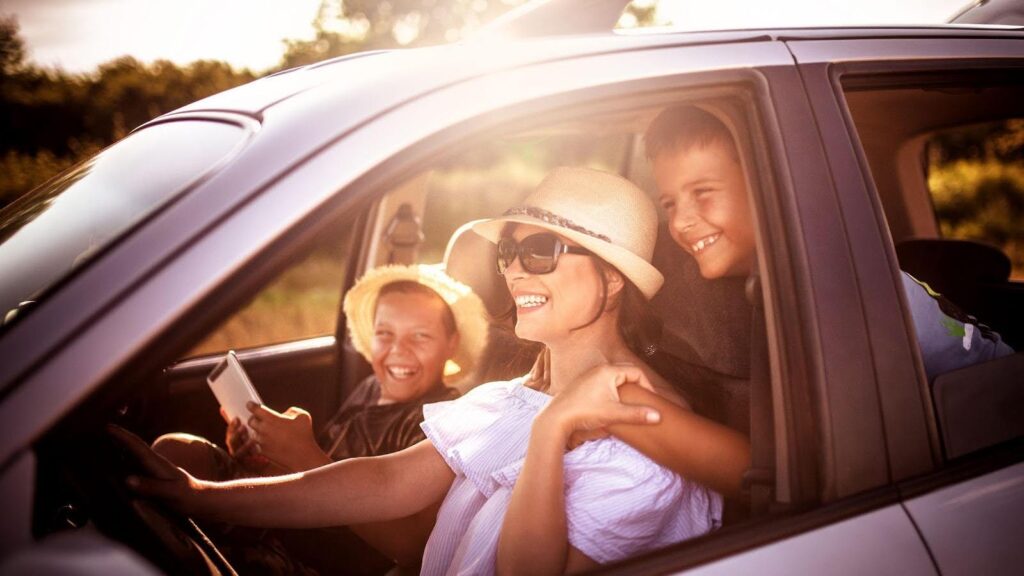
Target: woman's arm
(402,540)
(352,491)
(534,535)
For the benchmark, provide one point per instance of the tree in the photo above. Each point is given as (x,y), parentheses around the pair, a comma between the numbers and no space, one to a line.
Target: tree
(346,26)
(12,47)
(50,119)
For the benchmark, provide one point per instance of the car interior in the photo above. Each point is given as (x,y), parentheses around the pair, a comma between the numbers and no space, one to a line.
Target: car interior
(713,345)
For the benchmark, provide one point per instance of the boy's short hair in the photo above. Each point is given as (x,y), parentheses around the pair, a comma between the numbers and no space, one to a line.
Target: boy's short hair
(684,126)
(411,287)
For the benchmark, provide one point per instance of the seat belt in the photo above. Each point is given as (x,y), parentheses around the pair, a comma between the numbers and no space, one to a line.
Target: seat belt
(403,235)
(759,480)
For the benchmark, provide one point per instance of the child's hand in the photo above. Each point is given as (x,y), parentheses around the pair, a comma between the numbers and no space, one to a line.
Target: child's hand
(585,408)
(243,446)
(286,438)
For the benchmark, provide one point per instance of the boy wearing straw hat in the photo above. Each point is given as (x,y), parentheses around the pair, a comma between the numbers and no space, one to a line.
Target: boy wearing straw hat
(416,326)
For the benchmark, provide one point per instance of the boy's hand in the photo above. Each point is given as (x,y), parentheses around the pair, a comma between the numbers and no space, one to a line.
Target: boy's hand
(286,438)
(243,446)
(584,409)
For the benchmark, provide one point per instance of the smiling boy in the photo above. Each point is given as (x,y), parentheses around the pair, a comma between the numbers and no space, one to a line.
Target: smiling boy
(702,188)
(414,325)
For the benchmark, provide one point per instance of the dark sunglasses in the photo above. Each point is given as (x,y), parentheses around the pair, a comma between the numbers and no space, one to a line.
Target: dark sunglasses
(538,253)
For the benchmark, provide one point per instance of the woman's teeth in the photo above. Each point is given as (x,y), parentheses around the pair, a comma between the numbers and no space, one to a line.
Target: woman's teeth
(530,300)
(704,243)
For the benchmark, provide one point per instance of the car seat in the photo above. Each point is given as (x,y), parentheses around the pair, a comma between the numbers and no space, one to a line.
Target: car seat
(706,329)
(972,275)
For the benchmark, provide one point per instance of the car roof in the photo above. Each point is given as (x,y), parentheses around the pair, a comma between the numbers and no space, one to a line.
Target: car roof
(425,69)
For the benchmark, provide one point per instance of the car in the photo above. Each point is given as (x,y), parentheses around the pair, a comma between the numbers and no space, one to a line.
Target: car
(127,278)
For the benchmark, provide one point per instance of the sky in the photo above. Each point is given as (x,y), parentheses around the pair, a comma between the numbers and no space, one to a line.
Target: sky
(77,35)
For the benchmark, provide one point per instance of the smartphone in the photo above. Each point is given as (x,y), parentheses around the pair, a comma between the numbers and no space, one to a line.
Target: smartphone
(232,387)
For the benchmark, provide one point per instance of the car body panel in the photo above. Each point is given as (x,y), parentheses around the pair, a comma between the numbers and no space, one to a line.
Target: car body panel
(880,542)
(840,50)
(974,527)
(912,437)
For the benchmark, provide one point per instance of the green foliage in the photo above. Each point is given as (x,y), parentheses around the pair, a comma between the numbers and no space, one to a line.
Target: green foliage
(976,178)
(1002,141)
(982,200)
(346,26)
(12,47)
(640,14)
(21,172)
(52,120)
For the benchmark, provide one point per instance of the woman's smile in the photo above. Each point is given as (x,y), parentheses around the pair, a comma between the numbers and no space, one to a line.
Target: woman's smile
(528,302)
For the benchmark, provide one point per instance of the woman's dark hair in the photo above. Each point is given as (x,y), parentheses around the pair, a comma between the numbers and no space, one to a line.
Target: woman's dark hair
(639,327)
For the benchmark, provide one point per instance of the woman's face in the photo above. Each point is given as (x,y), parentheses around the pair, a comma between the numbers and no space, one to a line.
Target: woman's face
(549,306)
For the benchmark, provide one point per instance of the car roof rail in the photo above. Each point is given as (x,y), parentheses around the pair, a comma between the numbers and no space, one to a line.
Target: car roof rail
(556,18)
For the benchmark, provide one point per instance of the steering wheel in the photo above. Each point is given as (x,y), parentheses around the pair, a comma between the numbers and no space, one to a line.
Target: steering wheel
(95,466)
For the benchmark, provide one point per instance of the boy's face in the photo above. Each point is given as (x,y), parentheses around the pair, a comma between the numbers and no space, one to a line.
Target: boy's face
(703,191)
(410,345)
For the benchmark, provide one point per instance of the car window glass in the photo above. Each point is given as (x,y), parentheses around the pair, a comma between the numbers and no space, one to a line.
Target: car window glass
(301,303)
(946,153)
(976,182)
(63,224)
(488,179)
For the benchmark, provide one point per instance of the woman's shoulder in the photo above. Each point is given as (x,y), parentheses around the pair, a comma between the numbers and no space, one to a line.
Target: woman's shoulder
(497,389)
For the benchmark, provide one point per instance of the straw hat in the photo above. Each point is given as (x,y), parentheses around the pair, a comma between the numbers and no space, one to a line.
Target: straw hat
(602,212)
(360,306)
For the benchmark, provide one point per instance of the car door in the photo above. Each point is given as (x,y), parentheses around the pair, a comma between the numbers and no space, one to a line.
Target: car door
(959,469)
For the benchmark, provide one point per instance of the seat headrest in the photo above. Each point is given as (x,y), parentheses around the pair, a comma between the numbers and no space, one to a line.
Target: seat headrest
(470,259)
(934,259)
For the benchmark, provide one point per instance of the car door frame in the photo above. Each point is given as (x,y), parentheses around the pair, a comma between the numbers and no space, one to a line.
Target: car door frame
(980,536)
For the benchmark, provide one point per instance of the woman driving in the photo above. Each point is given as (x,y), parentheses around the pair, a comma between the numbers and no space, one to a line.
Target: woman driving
(523,489)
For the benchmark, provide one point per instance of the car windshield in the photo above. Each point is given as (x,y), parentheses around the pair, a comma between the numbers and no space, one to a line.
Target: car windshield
(60,226)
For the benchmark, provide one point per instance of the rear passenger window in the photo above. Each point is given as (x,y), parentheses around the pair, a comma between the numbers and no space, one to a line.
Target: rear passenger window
(946,154)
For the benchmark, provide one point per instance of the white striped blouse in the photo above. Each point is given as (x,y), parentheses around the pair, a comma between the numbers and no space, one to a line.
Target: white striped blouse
(618,501)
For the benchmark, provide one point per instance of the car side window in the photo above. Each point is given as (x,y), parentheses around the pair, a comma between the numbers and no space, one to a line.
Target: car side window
(945,156)
(301,303)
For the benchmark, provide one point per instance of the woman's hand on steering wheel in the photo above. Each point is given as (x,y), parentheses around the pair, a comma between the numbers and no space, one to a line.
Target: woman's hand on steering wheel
(160,479)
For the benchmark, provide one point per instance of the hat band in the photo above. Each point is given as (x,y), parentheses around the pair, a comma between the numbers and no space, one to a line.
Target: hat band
(550,218)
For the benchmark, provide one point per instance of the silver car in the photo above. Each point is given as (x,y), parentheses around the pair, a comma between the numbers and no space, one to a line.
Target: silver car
(117,278)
